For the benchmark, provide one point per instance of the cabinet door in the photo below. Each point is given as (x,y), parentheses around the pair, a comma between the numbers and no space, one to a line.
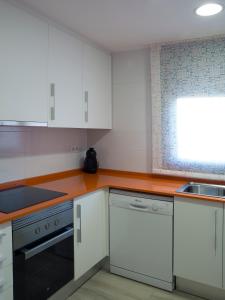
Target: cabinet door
(224,248)
(5,244)
(6,268)
(91,231)
(97,88)
(65,80)
(198,240)
(23,65)
(6,294)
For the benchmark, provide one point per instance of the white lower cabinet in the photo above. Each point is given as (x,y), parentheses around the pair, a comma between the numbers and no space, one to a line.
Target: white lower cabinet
(5,244)
(6,277)
(198,238)
(6,268)
(224,247)
(6,294)
(90,231)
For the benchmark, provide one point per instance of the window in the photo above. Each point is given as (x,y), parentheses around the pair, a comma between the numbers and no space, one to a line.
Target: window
(188,108)
(200,128)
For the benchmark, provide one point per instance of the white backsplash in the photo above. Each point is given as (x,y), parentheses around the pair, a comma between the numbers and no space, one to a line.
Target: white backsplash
(29,151)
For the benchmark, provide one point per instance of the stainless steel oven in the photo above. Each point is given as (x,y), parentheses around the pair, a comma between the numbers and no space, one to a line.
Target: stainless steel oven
(43,248)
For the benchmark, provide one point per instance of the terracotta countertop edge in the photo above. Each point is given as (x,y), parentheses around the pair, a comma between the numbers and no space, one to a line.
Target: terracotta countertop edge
(77,183)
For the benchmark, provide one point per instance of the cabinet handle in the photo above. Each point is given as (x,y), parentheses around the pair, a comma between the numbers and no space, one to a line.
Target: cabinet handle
(79,237)
(215,238)
(86,106)
(52,106)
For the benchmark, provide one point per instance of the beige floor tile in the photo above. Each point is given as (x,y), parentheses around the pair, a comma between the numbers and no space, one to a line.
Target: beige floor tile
(163,295)
(106,286)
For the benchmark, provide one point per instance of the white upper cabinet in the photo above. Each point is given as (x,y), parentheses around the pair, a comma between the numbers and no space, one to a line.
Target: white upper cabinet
(198,240)
(23,65)
(97,88)
(66,107)
(50,76)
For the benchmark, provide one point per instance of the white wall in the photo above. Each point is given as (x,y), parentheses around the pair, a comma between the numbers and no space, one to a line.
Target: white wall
(128,145)
(28,151)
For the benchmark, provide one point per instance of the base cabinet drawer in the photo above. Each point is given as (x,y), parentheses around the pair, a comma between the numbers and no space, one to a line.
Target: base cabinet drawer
(5,244)
(6,294)
(6,277)
(6,268)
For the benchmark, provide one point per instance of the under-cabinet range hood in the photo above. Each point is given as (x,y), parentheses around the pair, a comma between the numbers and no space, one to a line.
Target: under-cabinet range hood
(23,123)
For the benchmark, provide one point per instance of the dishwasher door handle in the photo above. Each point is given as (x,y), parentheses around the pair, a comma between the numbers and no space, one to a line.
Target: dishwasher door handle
(138,207)
(28,253)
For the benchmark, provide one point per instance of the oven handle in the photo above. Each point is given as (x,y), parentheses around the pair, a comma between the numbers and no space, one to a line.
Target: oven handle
(28,253)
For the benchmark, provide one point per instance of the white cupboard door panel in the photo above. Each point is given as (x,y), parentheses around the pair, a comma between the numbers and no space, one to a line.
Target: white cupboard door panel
(65,78)
(5,244)
(224,248)
(91,231)
(7,294)
(198,241)
(97,88)
(23,65)
(6,277)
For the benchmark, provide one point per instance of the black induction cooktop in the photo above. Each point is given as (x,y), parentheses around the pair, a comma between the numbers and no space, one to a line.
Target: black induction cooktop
(24,196)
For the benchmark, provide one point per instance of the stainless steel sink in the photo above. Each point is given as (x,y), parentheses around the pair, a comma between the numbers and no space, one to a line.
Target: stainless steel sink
(212,190)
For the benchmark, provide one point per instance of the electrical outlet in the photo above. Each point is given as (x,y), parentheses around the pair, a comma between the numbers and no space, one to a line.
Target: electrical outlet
(76,149)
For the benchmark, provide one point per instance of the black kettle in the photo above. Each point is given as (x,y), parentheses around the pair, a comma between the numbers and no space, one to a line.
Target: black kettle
(90,161)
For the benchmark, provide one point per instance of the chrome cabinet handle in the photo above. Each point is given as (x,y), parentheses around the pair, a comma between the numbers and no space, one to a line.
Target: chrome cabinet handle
(215,233)
(86,106)
(52,105)
(79,236)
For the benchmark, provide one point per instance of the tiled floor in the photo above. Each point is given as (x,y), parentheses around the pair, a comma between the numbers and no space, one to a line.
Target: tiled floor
(105,286)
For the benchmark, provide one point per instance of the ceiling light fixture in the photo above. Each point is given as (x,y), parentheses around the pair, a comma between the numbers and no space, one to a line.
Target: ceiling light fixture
(209,9)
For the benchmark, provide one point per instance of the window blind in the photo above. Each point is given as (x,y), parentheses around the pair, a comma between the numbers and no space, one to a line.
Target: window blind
(188,108)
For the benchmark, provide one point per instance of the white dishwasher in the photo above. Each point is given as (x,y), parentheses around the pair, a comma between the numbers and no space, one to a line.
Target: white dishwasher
(141,237)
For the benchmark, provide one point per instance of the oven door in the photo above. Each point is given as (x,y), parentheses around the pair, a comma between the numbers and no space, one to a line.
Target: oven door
(43,267)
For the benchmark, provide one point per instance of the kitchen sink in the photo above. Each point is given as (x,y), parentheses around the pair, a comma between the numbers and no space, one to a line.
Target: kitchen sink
(212,190)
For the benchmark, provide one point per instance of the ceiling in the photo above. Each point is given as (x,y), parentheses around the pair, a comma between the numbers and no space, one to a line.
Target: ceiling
(129,24)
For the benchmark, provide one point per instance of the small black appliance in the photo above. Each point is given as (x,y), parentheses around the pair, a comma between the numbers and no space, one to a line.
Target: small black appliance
(90,162)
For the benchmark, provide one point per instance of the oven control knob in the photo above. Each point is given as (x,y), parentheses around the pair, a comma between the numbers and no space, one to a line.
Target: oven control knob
(47,226)
(37,230)
(56,222)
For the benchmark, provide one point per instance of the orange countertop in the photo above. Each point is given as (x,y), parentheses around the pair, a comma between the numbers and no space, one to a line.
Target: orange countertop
(76,183)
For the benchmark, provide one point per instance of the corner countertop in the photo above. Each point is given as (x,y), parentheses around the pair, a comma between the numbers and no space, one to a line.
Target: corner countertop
(76,183)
